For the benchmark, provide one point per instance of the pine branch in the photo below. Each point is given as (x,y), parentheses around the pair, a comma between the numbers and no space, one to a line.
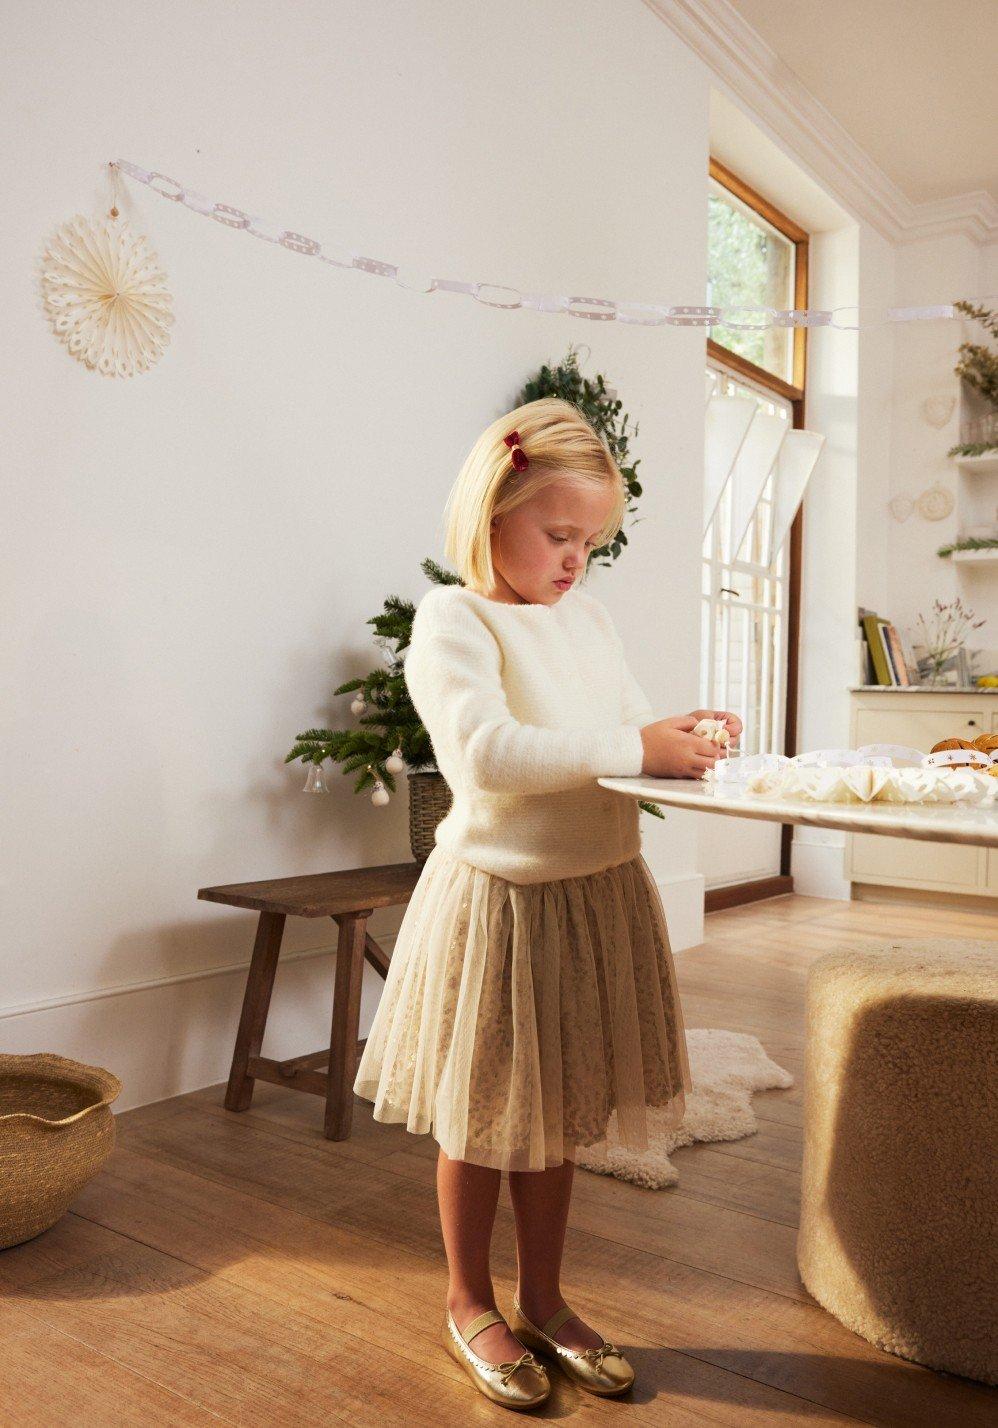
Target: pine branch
(969,543)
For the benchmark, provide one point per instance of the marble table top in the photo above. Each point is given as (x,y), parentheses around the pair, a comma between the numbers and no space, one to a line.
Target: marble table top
(936,823)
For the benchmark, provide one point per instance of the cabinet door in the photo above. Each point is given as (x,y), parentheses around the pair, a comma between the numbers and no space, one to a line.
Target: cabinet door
(919,728)
(912,862)
(944,867)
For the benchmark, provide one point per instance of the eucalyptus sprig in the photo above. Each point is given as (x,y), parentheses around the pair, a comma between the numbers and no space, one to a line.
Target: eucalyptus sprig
(978,365)
(945,630)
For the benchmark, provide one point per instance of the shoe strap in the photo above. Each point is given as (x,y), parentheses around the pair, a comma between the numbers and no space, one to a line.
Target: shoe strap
(491,1316)
(555,1322)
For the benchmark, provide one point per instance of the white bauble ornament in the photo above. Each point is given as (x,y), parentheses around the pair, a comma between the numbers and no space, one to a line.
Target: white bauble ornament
(395,762)
(106,294)
(380,795)
(358,705)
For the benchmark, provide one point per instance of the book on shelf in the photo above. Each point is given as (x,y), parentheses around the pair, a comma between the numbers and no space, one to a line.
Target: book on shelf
(888,653)
(896,651)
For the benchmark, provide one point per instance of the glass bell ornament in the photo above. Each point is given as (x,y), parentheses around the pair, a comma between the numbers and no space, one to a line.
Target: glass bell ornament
(395,762)
(316,782)
(359,705)
(380,795)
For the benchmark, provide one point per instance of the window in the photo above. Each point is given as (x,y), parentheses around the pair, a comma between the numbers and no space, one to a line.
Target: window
(744,600)
(752,264)
(759,460)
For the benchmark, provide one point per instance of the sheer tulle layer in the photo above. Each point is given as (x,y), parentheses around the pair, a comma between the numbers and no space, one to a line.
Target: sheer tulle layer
(516,1018)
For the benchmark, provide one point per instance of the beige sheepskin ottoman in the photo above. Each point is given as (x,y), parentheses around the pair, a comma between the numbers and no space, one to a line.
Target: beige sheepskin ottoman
(899,1209)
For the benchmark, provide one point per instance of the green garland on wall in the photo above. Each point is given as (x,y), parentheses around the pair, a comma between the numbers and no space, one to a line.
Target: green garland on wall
(602,408)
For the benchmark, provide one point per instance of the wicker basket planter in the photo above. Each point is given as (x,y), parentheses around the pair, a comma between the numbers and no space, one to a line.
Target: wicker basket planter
(56,1131)
(430,799)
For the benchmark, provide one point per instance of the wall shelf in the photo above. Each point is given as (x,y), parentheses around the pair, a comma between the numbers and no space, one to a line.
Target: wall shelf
(983,465)
(969,496)
(975,555)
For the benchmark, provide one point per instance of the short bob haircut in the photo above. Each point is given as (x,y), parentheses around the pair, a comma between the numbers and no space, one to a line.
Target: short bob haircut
(560,445)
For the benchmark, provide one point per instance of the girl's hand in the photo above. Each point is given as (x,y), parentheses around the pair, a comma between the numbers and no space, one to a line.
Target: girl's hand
(732,722)
(672,751)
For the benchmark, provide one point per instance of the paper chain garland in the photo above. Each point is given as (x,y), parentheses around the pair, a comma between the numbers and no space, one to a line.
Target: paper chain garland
(593,309)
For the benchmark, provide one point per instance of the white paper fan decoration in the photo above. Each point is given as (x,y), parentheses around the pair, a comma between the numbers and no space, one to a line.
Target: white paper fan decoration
(935,503)
(106,295)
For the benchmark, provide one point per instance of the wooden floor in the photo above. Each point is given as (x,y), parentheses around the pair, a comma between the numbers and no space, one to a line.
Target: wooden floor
(243,1269)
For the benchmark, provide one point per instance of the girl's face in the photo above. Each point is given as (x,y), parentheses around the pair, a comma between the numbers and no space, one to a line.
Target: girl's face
(547,541)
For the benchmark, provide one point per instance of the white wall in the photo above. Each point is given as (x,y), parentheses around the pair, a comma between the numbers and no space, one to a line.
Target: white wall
(194,553)
(938,270)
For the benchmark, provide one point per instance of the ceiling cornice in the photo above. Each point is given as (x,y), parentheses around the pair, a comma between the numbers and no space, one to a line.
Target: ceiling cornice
(755,75)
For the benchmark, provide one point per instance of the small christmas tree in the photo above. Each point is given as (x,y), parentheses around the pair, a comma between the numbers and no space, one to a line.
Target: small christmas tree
(389,729)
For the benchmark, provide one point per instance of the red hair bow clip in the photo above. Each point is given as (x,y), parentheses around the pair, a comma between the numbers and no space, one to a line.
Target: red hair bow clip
(519,457)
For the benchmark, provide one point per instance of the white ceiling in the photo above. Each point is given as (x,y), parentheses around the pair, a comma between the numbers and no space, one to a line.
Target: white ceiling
(911,81)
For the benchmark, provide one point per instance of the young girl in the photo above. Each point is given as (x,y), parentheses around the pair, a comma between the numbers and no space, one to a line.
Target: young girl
(531,992)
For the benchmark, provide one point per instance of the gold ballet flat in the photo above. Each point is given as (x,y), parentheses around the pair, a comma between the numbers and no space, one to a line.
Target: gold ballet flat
(602,1369)
(519,1383)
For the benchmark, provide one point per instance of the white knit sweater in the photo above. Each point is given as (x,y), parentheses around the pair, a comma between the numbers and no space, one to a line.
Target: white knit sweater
(526,705)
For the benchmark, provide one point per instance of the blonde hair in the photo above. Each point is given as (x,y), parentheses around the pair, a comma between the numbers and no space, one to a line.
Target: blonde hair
(560,444)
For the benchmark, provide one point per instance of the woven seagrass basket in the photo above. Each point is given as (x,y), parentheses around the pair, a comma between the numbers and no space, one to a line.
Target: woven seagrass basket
(56,1131)
(430,799)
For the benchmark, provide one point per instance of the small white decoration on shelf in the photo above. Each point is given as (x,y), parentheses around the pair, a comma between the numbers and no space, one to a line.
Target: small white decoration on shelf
(106,294)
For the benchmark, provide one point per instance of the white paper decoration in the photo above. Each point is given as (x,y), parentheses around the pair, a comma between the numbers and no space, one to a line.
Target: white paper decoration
(864,784)
(715,730)
(938,410)
(106,295)
(935,503)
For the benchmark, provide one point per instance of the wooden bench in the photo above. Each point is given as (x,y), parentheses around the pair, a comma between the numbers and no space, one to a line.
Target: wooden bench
(349,898)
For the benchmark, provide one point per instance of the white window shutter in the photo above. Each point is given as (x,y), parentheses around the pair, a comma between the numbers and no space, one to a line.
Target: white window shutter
(752,466)
(796,461)
(728,420)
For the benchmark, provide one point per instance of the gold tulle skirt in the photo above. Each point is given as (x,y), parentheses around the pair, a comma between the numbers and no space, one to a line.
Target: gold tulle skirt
(516,1018)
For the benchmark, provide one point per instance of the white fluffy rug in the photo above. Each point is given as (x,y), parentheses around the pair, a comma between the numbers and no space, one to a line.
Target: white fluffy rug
(726,1067)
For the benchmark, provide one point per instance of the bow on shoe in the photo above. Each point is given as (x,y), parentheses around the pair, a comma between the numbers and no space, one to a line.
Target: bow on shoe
(597,1355)
(508,1369)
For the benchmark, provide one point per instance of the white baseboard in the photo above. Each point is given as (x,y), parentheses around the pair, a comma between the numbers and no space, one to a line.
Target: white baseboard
(817,858)
(683,899)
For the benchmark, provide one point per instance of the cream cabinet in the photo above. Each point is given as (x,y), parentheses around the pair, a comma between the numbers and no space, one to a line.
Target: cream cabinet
(921,718)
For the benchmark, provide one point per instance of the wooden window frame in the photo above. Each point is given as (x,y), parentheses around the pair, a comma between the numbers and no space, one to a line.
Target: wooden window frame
(795,393)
